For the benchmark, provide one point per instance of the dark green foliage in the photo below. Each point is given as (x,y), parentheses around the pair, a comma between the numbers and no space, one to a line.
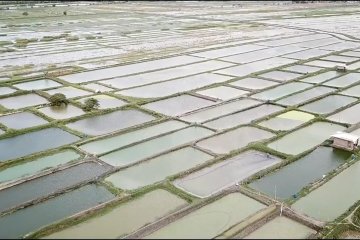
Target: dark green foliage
(57,99)
(90,104)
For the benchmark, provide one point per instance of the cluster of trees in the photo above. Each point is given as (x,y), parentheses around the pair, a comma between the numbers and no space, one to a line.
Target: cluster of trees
(59,99)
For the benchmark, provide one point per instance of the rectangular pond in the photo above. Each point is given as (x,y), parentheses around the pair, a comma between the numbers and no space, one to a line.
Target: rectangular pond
(287,121)
(302,69)
(228,51)
(22,101)
(306,95)
(330,200)
(69,92)
(37,85)
(243,117)
(290,179)
(253,83)
(281,228)
(111,143)
(222,93)
(176,106)
(110,122)
(305,138)
(155,146)
(212,179)
(322,77)
(258,66)
(352,91)
(210,220)
(281,91)
(129,69)
(22,145)
(349,115)
(37,165)
(132,215)
(166,74)
(167,88)
(159,168)
(261,54)
(22,222)
(219,110)
(234,139)
(16,120)
(281,76)
(6,90)
(344,80)
(62,112)
(328,104)
(46,185)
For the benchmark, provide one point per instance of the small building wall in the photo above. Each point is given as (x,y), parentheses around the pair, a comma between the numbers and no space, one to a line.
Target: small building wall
(341,143)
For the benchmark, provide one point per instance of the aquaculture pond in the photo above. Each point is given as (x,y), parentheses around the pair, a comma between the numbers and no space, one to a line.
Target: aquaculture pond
(304,96)
(129,69)
(16,120)
(167,74)
(176,106)
(352,91)
(281,91)
(22,145)
(305,138)
(167,88)
(125,218)
(349,115)
(281,228)
(248,68)
(62,112)
(289,180)
(253,83)
(22,222)
(330,200)
(155,146)
(37,165)
(46,185)
(22,101)
(328,104)
(158,168)
(281,76)
(344,80)
(217,177)
(287,121)
(222,93)
(322,77)
(111,143)
(210,220)
(109,122)
(69,92)
(243,117)
(303,69)
(234,139)
(37,85)
(6,90)
(220,110)
(97,87)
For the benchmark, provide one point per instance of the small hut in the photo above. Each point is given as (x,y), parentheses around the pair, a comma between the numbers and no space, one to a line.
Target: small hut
(346,141)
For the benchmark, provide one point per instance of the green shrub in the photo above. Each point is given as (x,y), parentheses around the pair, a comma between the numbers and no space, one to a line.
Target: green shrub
(90,104)
(72,38)
(3,43)
(25,13)
(89,37)
(58,99)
